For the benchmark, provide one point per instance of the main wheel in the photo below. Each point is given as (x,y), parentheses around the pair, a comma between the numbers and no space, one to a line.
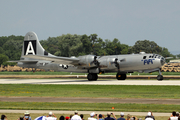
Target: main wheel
(95,76)
(120,76)
(159,77)
(123,76)
(92,77)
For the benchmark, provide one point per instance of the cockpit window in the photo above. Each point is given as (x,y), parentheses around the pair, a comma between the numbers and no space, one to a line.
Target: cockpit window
(155,56)
(144,57)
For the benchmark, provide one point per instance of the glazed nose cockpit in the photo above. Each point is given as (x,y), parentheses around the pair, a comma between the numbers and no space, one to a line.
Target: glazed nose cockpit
(162,59)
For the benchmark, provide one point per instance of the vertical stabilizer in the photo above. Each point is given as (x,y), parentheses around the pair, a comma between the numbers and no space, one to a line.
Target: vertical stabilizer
(32,46)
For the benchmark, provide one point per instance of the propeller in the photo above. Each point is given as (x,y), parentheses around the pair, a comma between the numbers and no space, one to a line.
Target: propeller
(95,62)
(116,64)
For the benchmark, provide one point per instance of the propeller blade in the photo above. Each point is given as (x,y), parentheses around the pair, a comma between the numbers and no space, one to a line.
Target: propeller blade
(168,58)
(95,62)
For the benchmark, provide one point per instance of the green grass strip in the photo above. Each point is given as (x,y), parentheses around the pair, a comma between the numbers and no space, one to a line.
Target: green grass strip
(104,91)
(88,106)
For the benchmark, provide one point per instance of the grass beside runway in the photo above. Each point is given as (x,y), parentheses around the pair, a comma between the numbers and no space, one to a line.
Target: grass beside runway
(109,91)
(102,91)
(127,107)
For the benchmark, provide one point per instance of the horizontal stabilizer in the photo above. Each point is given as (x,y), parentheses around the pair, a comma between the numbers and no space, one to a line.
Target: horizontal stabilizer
(58,60)
(24,61)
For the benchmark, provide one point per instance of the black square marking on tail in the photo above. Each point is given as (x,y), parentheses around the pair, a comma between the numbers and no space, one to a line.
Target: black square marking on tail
(26,46)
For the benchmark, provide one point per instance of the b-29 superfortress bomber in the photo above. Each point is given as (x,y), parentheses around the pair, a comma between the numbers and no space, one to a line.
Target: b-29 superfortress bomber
(34,56)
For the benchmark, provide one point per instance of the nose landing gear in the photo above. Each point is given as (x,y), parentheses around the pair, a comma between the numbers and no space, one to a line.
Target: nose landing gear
(160,76)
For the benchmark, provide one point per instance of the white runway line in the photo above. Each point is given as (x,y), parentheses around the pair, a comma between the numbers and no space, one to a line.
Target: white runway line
(86,82)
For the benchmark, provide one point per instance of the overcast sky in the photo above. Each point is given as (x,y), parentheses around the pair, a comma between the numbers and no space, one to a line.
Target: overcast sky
(126,20)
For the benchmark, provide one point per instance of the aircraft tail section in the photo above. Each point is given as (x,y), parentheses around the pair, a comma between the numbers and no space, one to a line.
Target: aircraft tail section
(32,46)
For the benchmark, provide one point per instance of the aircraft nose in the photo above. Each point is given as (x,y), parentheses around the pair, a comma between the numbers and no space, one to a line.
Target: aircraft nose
(163,61)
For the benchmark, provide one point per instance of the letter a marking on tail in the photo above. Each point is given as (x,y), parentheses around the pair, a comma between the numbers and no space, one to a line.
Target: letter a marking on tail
(30,49)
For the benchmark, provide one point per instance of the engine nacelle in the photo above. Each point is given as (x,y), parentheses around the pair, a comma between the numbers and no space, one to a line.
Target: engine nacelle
(108,63)
(87,61)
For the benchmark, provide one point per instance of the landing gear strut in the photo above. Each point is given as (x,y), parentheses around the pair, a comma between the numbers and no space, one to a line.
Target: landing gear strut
(120,76)
(160,77)
(92,76)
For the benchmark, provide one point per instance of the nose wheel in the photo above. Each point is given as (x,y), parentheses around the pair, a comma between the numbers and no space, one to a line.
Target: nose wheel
(160,76)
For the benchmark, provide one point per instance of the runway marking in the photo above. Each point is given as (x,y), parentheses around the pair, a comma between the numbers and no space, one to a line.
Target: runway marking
(86,82)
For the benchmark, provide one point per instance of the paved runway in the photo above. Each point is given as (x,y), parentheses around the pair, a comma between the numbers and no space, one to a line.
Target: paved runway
(86,82)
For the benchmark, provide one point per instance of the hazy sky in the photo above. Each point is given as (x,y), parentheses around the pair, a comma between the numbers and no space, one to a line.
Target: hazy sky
(126,20)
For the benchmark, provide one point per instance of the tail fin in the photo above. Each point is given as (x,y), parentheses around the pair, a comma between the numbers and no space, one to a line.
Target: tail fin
(31,46)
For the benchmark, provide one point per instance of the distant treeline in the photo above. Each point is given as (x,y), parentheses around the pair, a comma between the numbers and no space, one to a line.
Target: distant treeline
(76,45)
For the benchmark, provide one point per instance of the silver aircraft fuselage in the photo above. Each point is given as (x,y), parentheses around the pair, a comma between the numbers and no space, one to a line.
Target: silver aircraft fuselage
(129,63)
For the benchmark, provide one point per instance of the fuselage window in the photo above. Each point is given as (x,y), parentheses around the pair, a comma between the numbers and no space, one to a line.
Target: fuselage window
(149,56)
(144,57)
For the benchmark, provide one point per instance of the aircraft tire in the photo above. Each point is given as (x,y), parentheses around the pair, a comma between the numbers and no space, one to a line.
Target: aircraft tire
(120,76)
(92,77)
(159,77)
(95,77)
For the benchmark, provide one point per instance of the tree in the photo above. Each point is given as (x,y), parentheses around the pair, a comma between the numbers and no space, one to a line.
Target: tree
(110,48)
(165,52)
(93,39)
(13,49)
(146,46)
(70,45)
(86,45)
(50,45)
(178,55)
(124,49)
(1,50)
(114,47)
(3,40)
(3,59)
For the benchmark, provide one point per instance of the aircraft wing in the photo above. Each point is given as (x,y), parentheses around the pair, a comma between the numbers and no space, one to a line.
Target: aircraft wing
(58,60)
(151,70)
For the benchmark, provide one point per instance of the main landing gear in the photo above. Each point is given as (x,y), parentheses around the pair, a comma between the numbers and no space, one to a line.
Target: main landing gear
(160,77)
(120,76)
(92,76)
